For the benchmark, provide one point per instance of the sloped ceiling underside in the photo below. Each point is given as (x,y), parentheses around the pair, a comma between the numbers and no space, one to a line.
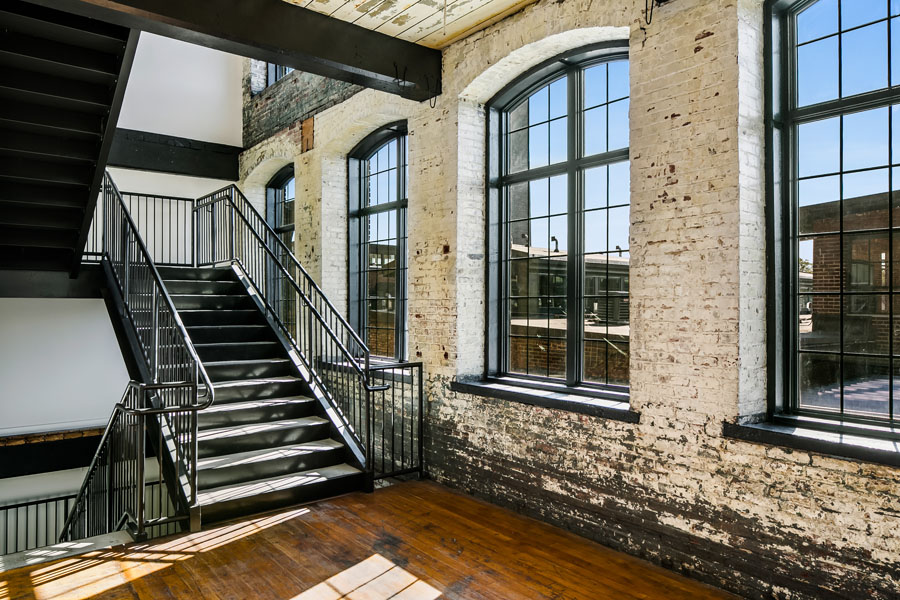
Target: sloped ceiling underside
(432,23)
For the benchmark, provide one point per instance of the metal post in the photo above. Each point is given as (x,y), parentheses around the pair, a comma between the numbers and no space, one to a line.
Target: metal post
(141,445)
(421,421)
(154,356)
(231,218)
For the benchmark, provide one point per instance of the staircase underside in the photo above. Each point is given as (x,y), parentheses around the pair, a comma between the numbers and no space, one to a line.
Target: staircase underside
(266,442)
(62,78)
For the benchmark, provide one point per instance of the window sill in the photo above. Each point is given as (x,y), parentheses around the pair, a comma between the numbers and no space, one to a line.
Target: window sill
(562,399)
(802,433)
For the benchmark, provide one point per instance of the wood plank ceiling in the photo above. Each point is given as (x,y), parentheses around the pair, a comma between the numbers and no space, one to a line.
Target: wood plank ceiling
(420,21)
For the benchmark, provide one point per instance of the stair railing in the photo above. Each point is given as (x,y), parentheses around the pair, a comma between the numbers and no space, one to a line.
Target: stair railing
(230,229)
(179,387)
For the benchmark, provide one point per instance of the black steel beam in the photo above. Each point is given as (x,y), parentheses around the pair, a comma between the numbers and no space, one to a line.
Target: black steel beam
(279,32)
(145,151)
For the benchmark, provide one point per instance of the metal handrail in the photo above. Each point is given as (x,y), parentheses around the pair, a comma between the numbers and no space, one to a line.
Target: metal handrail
(287,252)
(161,288)
(184,432)
(223,237)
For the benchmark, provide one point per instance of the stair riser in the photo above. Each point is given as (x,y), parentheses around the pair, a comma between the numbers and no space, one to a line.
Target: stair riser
(200,287)
(240,352)
(231,334)
(260,440)
(260,391)
(209,302)
(235,372)
(278,412)
(272,500)
(200,274)
(211,478)
(247,317)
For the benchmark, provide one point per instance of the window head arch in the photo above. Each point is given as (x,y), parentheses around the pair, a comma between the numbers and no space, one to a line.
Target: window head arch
(378,257)
(559,198)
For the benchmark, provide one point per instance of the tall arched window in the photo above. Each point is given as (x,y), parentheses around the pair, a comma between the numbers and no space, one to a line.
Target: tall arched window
(835,142)
(377,219)
(559,210)
(280,193)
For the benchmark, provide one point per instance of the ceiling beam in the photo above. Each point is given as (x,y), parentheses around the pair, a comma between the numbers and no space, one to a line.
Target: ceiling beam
(279,32)
(160,153)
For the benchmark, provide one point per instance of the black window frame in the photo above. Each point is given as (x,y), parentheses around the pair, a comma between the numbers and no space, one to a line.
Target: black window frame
(275,73)
(357,214)
(782,251)
(278,293)
(496,346)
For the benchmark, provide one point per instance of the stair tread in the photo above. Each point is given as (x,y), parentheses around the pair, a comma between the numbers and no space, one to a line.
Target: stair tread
(232,343)
(256,381)
(247,404)
(254,428)
(273,484)
(243,362)
(224,461)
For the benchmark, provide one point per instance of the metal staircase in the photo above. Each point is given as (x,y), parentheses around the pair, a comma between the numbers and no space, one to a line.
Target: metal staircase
(62,80)
(254,392)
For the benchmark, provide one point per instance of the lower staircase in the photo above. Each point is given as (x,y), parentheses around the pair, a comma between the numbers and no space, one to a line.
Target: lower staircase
(267,441)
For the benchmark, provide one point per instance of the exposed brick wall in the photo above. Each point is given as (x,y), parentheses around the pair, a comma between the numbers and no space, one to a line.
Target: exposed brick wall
(294,97)
(763,521)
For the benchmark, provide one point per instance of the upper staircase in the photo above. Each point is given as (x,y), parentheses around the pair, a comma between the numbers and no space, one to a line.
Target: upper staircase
(62,80)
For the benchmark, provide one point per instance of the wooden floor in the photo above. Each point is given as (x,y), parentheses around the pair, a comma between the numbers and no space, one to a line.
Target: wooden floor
(412,541)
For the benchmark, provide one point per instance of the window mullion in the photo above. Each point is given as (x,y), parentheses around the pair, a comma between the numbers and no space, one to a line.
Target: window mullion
(575,250)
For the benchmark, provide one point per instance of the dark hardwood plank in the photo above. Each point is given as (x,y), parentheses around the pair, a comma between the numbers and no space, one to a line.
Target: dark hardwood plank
(415,540)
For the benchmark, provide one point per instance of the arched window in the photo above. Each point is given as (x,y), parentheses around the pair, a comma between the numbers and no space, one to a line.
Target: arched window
(835,149)
(280,193)
(559,210)
(377,220)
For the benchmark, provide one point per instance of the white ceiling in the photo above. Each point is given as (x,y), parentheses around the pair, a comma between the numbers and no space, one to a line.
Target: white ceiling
(419,21)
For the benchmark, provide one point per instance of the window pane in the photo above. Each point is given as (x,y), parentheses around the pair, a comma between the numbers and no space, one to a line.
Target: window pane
(518,201)
(618,125)
(538,146)
(539,106)
(820,322)
(859,12)
(819,206)
(895,50)
(820,381)
(558,140)
(595,187)
(559,98)
(867,324)
(619,183)
(866,200)
(817,21)
(866,385)
(866,139)
(595,86)
(618,80)
(539,193)
(518,151)
(618,224)
(518,117)
(559,195)
(595,231)
(864,59)
(817,72)
(866,262)
(819,259)
(595,131)
(819,147)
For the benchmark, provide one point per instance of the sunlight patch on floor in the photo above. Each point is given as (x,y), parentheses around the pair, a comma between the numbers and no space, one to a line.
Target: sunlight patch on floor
(375,578)
(96,572)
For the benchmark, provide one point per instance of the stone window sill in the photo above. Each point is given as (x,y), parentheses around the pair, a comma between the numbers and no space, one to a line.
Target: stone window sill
(568,399)
(803,433)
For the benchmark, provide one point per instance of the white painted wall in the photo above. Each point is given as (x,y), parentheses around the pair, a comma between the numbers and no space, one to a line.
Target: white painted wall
(180,89)
(164,184)
(60,365)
